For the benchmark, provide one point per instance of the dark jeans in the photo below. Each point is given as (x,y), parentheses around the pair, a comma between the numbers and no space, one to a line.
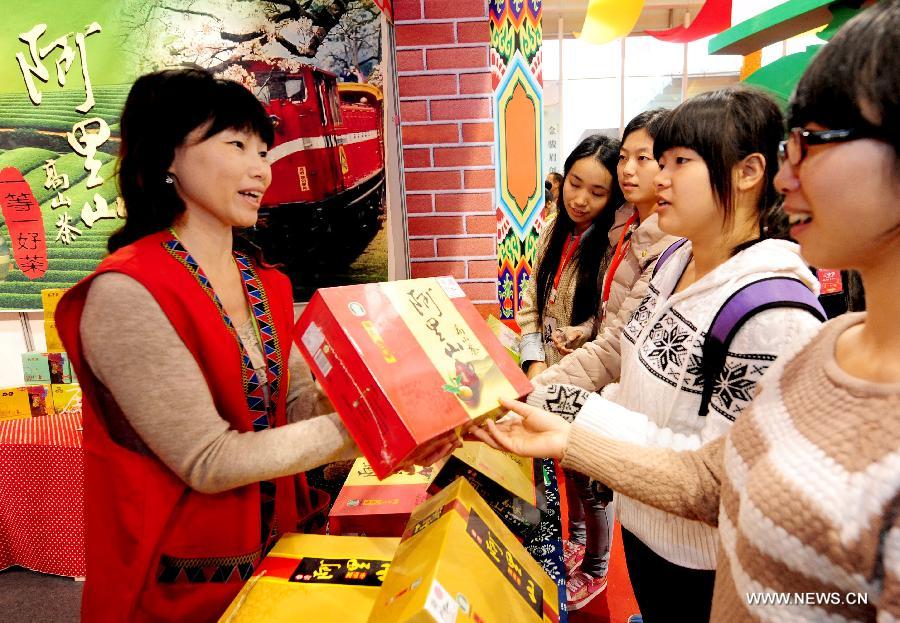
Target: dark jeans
(664,590)
(590,521)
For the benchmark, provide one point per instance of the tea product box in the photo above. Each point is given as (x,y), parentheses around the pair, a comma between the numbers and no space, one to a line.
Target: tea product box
(311,577)
(369,506)
(15,403)
(40,399)
(54,344)
(404,362)
(36,368)
(60,368)
(458,562)
(513,486)
(49,300)
(66,397)
(509,338)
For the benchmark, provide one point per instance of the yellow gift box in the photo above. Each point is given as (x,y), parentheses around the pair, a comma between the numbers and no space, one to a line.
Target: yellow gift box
(15,403)
(458,562)
(49,300)
(513,486)
(54,344)
(66,397)
(311,577)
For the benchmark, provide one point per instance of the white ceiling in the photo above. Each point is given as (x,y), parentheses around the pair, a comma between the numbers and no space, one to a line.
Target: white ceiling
(656,15)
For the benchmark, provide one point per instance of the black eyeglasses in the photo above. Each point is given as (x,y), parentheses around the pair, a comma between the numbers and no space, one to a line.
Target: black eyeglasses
(798,141)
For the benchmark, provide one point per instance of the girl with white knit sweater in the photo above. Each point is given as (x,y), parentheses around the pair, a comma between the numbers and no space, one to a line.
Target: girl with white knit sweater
(805,488)
(717,153)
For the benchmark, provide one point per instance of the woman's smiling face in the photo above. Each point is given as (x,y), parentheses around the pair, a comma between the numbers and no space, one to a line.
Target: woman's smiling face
(586,191)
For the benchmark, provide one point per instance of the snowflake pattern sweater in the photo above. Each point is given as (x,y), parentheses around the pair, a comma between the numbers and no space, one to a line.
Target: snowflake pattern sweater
(657,399)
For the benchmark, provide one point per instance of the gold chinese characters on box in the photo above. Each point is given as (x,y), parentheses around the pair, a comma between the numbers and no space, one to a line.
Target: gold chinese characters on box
(311,577)
(457,562)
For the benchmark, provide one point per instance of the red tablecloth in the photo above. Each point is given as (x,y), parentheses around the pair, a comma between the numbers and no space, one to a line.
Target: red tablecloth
(42,494)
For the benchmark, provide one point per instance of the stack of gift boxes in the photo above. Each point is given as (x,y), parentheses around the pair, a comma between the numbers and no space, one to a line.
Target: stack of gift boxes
(405,362)
(50,386)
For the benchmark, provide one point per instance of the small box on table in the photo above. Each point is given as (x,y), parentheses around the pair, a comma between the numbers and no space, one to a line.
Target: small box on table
(54,343)
(36,368)
(458,562)
(50,298)
(24,402)
(66,397)
(404,362)
(310,577)
(372,507)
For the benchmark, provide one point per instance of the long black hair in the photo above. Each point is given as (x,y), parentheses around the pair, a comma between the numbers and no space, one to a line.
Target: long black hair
(724,127)
(594,246)
(162,108)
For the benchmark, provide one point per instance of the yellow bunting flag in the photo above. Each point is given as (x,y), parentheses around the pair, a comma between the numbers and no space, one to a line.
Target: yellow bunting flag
(608,20)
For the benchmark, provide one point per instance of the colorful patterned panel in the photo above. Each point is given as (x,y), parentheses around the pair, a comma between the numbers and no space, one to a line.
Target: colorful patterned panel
(516,38)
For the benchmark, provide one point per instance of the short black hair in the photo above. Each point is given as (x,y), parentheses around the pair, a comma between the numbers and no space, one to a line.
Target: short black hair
(649,120)
(854,80)
(161,110)
(724,127)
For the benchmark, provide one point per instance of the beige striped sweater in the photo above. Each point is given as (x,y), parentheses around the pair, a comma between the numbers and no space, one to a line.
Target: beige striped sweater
(805,491)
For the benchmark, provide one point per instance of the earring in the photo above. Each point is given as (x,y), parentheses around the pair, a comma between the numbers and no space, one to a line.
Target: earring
(169,179)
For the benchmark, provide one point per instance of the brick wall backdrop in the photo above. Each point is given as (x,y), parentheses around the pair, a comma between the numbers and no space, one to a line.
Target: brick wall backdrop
(447,130)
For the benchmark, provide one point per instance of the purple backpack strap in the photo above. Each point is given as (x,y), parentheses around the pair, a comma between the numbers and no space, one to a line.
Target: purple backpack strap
(751,299)
(665,255)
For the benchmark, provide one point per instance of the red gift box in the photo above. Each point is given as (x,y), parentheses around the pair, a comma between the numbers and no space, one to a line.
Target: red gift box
(404,362)
(367,506)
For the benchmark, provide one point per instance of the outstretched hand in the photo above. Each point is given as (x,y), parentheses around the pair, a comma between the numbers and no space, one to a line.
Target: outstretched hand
(526,431)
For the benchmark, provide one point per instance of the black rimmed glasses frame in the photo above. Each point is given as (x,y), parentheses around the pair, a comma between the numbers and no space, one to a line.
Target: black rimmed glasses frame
(794,148)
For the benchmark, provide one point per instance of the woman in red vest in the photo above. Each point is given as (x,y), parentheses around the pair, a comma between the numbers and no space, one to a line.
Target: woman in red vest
(197,409)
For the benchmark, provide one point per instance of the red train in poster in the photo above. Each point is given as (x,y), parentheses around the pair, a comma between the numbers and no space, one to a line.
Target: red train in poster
(326,201)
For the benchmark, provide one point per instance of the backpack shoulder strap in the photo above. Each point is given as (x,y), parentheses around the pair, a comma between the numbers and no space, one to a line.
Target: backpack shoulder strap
(665,255)
(746,302)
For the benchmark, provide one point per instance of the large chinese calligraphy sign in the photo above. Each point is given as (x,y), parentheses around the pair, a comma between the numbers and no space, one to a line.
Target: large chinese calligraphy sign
(311,577)
(518,102)
(404,362)
(58,136)
(66,69)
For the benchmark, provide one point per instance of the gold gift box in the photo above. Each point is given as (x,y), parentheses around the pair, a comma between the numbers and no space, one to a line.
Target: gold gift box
(458,562)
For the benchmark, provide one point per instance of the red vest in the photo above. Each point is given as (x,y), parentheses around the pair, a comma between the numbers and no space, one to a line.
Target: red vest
(158,550)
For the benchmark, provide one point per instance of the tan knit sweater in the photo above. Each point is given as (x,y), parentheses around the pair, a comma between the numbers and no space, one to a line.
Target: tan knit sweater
(805,491)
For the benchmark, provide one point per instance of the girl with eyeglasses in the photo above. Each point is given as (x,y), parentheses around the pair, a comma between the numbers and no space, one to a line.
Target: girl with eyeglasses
(805,488)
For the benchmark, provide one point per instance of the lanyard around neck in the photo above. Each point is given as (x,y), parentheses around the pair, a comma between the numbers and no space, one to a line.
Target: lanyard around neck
(572,242)
(621,249)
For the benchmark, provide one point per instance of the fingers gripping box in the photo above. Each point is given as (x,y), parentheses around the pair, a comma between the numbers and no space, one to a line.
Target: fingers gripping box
(310,577)
(457,562)
(404,362)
